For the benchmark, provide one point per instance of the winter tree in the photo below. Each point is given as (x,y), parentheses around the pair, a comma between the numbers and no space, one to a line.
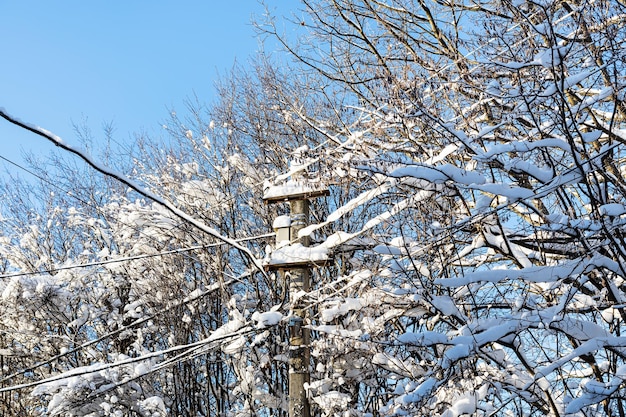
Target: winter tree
(473,151)
(491,134)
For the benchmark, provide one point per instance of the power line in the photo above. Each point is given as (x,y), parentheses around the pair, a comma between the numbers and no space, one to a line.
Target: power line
(74,196)
(124,259)
(99,210)
(50,183)
(246,329)
(108,335)
(131,258)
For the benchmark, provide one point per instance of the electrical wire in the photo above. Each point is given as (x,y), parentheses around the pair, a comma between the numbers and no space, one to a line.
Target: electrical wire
(213,288)
(52,184)
(60,268)
(246,188)
(134,227)
(131,258)
(74,196)
(94,369)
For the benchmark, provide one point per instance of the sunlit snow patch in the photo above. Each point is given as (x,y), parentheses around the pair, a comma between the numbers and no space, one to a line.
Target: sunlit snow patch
(269,318)
(299,254)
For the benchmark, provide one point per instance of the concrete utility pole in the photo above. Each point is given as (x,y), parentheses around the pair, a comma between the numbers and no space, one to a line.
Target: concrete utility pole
(299,336)
(297,271)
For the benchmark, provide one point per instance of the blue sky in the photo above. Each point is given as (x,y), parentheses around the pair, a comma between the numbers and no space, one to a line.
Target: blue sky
(68,61)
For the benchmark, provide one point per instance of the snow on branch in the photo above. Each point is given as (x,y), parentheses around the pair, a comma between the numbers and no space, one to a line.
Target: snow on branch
(214,341)
(133,185)
(537,274)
